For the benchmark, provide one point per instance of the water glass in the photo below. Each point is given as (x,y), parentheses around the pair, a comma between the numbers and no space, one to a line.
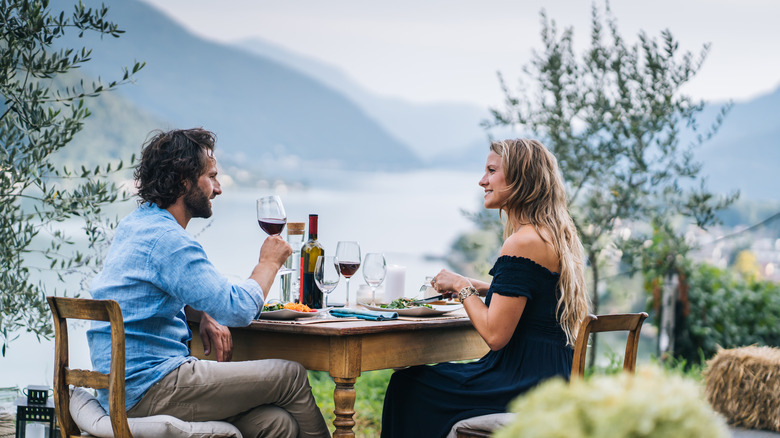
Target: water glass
(327,275)
(374,270)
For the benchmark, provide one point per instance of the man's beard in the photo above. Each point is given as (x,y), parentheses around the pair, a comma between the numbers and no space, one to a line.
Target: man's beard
(197,203)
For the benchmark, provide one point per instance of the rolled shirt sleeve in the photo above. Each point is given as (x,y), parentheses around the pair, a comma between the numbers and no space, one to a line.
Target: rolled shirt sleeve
(179,266)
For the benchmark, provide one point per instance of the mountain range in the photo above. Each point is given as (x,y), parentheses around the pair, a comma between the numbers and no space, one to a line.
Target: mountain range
(268,118)
(279,114)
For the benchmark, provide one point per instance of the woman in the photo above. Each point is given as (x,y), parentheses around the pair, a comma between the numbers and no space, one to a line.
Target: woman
(531,312)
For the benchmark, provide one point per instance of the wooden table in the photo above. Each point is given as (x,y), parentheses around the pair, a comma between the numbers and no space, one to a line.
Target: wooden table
(346,348)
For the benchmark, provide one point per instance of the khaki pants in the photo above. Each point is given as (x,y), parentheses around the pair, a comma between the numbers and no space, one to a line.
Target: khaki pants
(262,398)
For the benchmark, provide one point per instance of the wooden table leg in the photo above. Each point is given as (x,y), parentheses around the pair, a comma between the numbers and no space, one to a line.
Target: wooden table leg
(345,359)
(344,398)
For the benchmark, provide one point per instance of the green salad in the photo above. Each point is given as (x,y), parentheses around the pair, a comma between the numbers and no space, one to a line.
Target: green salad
(271,307)
(404,303)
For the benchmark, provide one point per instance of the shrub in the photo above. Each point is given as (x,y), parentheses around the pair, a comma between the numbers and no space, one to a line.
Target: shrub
(650,404)
(727,310)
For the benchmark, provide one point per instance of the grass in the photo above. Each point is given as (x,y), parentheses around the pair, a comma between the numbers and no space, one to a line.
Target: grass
(370,396)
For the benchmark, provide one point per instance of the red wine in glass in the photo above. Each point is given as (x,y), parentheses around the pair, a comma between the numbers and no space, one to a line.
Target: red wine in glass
(348,269)
(272,218)
(272,226)
(348,255)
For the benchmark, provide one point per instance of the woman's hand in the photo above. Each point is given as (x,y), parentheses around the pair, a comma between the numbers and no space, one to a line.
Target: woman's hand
(449,283)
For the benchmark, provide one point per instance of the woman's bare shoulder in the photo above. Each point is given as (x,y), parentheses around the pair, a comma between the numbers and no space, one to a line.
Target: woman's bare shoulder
(527,243)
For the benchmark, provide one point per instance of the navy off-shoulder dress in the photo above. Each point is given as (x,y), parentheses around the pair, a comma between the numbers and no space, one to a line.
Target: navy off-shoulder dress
(426,401)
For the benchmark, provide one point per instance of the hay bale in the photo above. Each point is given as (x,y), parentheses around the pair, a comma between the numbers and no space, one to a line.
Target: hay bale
(743,384)
(7,423)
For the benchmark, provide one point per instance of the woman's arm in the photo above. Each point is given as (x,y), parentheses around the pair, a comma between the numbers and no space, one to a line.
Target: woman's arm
(497,323)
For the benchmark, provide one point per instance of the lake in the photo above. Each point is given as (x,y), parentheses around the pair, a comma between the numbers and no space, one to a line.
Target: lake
(412,218)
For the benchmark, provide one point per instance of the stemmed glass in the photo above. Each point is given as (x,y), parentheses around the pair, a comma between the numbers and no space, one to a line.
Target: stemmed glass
(348,255)
(272,218)
(326,275)
(374,270)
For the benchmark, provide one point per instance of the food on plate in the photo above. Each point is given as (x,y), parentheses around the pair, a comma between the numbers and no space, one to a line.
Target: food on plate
(404,303)
(298,307)
(289,306)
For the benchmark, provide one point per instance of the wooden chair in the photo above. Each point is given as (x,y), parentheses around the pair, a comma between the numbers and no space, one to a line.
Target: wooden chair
(630,322)
(90,415)
(94,310)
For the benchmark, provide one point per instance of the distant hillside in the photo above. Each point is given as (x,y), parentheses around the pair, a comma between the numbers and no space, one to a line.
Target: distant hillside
(430,129)
(278,114)
(268,117)
(745,153)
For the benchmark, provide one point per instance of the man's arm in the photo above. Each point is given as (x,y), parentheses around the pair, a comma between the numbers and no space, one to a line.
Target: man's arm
(273,254)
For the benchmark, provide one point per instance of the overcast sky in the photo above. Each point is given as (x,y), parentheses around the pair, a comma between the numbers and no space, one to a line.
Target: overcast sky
(443,50)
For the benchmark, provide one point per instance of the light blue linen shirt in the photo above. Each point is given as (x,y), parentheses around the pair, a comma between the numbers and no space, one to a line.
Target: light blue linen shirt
(153,269)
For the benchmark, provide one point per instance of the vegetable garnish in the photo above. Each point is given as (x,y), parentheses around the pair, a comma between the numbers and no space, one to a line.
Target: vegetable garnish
(289,306)
(404,303)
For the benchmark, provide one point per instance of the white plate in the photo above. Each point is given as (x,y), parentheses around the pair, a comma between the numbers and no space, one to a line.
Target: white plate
(285,314)
(455,302)
(416,311)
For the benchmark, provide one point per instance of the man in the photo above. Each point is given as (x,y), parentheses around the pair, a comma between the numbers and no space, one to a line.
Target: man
(155,268)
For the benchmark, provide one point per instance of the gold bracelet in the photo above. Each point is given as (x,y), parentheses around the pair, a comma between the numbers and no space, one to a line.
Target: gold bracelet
(467,292)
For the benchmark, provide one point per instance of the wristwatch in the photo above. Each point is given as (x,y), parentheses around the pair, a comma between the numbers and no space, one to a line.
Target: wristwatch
(467,292)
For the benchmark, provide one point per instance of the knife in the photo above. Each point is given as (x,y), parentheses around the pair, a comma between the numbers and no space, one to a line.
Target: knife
(429,299)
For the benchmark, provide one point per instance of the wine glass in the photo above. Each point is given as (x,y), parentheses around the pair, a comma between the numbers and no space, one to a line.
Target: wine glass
(348,255)
(326,275)
(374,270)
(272,218)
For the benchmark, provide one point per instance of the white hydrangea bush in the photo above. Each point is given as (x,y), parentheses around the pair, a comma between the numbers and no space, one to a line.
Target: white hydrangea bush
(650,404)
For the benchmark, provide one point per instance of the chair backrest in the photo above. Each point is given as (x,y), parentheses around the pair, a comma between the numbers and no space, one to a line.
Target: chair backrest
(631,322)
(94,310)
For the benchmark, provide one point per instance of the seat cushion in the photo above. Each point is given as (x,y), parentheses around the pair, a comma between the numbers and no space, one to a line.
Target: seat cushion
(90,417)
(487,423)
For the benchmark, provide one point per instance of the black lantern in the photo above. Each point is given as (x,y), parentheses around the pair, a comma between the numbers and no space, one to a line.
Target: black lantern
(33,410)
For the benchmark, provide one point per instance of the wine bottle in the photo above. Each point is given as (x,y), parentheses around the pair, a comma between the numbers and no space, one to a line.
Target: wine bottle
(310,293)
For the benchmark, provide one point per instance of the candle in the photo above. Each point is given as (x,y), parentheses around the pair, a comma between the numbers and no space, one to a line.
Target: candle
(395,282)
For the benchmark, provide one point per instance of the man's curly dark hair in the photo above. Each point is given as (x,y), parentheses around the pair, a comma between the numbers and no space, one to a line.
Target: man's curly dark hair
(168,160)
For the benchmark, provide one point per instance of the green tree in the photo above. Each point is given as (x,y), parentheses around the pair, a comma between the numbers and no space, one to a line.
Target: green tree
(39,115)
(614,117)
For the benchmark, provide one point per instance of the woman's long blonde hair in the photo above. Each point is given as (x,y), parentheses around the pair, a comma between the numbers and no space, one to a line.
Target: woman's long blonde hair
(537,196)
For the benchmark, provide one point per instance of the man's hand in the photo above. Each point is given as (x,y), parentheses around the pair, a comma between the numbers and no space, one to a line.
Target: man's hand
(216,335)
(273,254)
(274,251)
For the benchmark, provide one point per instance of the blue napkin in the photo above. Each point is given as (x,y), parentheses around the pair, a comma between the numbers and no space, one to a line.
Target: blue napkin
(372,315)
